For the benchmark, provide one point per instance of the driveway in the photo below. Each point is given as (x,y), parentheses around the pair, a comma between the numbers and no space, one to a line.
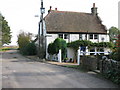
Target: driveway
(21,72)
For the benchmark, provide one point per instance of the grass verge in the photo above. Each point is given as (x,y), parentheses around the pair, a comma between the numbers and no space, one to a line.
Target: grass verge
(77,67)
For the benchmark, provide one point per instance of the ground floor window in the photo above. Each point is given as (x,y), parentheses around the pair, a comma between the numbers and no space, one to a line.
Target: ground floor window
(92,50)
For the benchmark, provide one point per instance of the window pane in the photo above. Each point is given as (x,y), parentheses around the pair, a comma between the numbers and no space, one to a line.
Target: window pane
(65,36)
(92,50)
(95,36)
(60,35)
(91,36)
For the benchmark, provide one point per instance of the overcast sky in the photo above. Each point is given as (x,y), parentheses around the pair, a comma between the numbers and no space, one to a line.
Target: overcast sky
(20,14)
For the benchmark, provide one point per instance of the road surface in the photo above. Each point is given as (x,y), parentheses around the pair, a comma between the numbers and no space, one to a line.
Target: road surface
(21,72)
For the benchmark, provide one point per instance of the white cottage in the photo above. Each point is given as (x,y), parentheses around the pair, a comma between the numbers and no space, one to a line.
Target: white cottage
(73,26)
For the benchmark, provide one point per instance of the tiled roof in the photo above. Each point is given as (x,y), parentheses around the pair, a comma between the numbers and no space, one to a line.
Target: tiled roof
(73,22)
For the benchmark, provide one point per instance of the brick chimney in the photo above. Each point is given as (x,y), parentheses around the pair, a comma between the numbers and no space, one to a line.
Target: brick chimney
(94,10)
(50,9)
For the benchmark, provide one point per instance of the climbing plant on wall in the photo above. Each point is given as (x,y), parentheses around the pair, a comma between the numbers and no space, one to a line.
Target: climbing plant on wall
(76,44)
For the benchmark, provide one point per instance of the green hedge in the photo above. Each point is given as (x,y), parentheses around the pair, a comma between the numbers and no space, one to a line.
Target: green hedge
(59,43)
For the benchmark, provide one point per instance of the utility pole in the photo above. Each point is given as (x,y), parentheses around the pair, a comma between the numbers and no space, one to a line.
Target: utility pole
(41,35)
(42,11)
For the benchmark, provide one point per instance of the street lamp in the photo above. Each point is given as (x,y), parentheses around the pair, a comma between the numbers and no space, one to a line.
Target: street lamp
(41,36)
(42,10)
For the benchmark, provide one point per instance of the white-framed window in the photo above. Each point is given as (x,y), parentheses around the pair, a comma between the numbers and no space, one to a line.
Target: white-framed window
(95,36)
(60,35)
(80,36)
(91,36)
(63,36)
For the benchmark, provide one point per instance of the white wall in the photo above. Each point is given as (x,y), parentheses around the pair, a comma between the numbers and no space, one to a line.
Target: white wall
(106,38)
(74,37)
(50,38)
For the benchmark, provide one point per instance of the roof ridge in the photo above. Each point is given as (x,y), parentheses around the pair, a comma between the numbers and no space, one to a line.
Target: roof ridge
(69,11)
(64,12)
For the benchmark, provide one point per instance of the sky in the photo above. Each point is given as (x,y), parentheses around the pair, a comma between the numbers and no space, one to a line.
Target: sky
(20,14)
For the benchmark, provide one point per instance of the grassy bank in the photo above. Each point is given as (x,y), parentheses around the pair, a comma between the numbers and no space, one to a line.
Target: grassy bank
(6,48)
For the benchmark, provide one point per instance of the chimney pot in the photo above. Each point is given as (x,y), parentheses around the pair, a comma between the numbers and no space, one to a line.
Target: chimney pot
(93,4)
(56,9)
(50,7)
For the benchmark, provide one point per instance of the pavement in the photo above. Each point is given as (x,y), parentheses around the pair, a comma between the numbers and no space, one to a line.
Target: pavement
(21,72)
(51,62)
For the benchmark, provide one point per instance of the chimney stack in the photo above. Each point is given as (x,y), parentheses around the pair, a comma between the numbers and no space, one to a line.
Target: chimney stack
(94,10)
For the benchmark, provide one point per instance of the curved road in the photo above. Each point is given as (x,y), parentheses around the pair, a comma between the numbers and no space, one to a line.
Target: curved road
(20,72)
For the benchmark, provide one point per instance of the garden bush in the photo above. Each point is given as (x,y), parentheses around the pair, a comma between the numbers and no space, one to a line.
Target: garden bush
(59,43)
(29,49)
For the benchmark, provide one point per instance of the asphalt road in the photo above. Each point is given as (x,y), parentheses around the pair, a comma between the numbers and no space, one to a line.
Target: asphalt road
(20,72)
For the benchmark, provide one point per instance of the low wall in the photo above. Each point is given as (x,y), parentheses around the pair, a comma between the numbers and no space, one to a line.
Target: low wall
(111,70)
(89,63)
(108,65)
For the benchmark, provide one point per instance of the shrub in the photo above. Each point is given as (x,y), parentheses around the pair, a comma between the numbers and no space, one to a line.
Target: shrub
(51,49)
(26,46)
(59,43)
(23,39)
(115,54)
(29,49)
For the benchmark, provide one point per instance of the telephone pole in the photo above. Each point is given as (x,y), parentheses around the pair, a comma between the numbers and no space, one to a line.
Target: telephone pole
(41,35)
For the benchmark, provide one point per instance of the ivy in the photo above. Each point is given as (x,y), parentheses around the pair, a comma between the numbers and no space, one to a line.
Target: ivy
(113,75)
(76,44)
